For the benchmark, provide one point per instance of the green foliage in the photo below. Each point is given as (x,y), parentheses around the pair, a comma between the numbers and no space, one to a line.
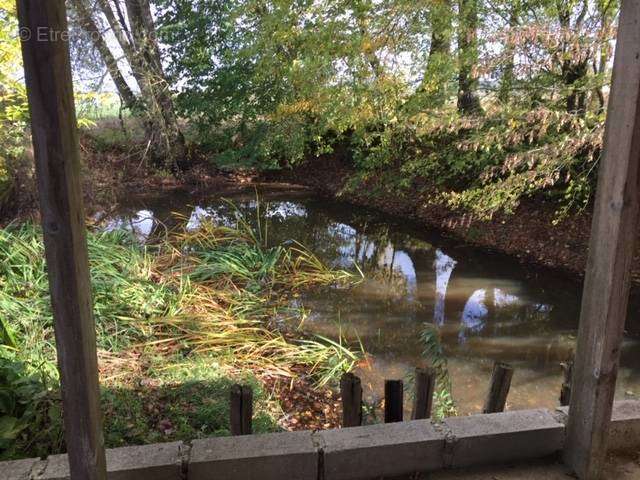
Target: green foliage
(28,411)
(444,403)
(13,101)
(492,163)
(268,84)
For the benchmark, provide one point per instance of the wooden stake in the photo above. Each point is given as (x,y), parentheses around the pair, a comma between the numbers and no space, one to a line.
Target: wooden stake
(393,401)
(351,391)
(606,286)
(499,389)
(241,414)
(43,29)
(565,392)
(425,387)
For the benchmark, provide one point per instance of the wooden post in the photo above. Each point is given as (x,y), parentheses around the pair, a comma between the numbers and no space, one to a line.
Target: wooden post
(606,286)
(351,392)
(393,401)
(499,388)
(425,380)
(565,392)
(241,414)
(43,29)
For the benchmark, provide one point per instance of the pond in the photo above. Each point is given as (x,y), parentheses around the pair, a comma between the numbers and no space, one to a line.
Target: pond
(484,306)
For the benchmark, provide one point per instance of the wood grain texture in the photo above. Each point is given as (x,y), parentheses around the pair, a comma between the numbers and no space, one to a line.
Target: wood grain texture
(55,142)
(606,286)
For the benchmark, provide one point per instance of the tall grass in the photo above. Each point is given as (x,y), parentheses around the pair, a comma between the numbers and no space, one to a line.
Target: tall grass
(214,290)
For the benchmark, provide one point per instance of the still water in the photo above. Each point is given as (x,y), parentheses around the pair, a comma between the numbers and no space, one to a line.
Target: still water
(485,306)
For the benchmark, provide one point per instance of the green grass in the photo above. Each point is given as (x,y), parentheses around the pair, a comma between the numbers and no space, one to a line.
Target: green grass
(177,322)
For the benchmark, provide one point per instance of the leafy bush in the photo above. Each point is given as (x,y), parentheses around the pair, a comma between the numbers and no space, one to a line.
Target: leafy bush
(13,101)
(29,414)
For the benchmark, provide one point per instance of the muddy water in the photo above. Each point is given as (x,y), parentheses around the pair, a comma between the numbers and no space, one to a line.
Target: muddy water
(483,306)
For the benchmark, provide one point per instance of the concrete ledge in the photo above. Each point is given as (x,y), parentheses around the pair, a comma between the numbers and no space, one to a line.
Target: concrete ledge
(277,456)
(346,454)
(160,461)
(502,437)
(18,469)
(382,450)
(56,468)
(624,432)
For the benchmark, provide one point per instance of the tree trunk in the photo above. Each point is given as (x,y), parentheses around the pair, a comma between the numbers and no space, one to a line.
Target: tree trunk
(572,75)
(439,69)
(468,100)
(573,71)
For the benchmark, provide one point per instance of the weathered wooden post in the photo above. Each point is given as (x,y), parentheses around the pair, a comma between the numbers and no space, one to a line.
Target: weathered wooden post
(499,389)
(241,413)
(351,392)
(425,381)
(43,29)
(393,401)
(613,234)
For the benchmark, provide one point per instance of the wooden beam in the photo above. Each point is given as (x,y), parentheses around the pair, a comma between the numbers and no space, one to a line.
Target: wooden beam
(606,286)
(43,28)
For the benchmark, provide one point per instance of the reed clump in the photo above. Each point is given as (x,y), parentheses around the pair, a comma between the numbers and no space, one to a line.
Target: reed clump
(218,292)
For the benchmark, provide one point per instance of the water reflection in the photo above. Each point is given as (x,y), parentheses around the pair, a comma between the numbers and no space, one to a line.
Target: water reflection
(444,266)
(407,279)
(485,307)
(473,314)
(141,224)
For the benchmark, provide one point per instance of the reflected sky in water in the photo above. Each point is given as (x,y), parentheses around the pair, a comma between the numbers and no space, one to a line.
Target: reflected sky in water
(485,306)
(142,224)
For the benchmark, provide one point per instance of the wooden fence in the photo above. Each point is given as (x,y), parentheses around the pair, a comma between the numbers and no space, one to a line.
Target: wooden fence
(425,380)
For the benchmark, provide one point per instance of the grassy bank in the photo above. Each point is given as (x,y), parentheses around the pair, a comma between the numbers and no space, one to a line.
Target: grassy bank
(178,321)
